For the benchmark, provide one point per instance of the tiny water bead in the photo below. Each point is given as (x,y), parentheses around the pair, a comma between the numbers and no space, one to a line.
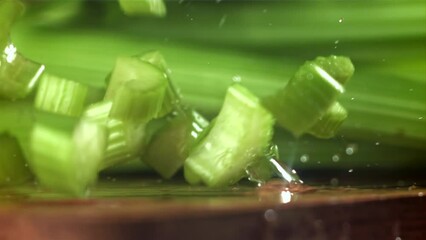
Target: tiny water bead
(335,158)
(351,149)
(341,20)
(304,158)
(236,79)
(222,20)
(270,215)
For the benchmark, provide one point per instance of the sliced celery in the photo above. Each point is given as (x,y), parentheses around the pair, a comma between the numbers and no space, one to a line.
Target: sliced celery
(66,152)
(139,100)
(132,68)
(18,75)
(62,96)
(310,93)
(172,98)
(143,7)
(170,146)
(10,10)
(125,140)
(239,137)
(13,166)
(330,122)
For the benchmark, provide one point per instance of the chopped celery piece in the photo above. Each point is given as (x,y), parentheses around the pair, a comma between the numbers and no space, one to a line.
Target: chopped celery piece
(132,68)
(66,152)
(18,75)
(10,10)
(310,93)
(239,137)
(125,140)
(172,98)
(143,7)
(329,123)
(139,100)
(13,167)
(17,118)
(61,96)
(170,145)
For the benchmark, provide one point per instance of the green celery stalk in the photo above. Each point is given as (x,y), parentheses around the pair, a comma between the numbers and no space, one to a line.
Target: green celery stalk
(238,138)
(171,144)
(18,75)
(78,145)
(13,166)
(309,94)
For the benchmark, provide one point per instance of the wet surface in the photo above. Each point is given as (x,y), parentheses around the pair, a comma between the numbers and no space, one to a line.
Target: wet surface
(129,208)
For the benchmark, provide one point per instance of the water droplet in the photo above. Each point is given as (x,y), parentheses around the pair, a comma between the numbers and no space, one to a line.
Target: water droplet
(352,98)
(341,20)
(270,215)
(420,118)
(286,196)
(377,143)
(336,42)
(236,79)
(335,158)
(304,158)
(420,194)
(218,1)
(222,20)
(397,238)
(350,170)
(410,89)
(334,182)
(351,149)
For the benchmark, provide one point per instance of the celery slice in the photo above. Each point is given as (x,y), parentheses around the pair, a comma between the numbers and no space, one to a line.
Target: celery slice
(170,145)
(143,7)
(125,140)
(139,100)
(13,167)
(310,93)
(328,125)
(66,152)
(18,75)
(61,96)
(240,135)
(132,68)
(172,97)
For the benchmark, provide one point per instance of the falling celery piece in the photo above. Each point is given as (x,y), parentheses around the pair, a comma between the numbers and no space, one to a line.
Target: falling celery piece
(13,166)
(171,144)
(309,93)
(143,7)
(139,100)
(125,140)
(172,99)
(18,75)
(66,152)
(131,68)
(61,96)
(10,10)
(328,125)
(239,137)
